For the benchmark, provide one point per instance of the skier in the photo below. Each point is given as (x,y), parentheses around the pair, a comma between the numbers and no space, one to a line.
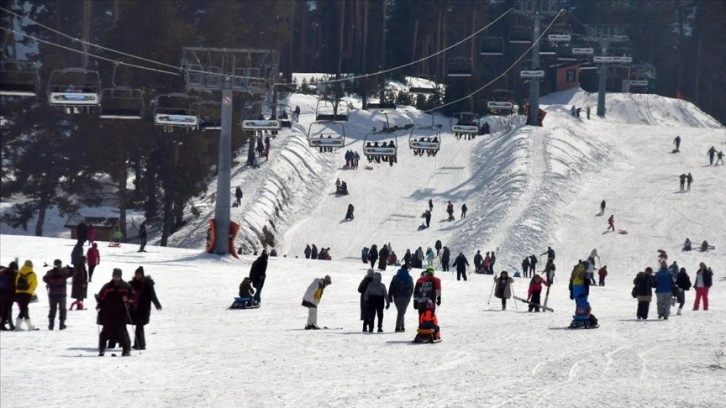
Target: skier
(532,265)
(535,290)
(478,261)
(602,273)
(704,280)
(375,296)
(142,237)
(94,258)
(683,283)
(144,296)
(113,313)
(525,266)
(56,281)
(238,196)
(7,294)
(682,177)
(463,210)
(445,257)
(427,215)
(373,255)
(689,180)
(308,251)
(677,142)
(663,290)
(602,207)
(461,264)
(711,153)
(258,273)
(399,292)
(25,283)
(311,300)
(643,291)
(611,222)
(450,211)
(349,213)
(503,288)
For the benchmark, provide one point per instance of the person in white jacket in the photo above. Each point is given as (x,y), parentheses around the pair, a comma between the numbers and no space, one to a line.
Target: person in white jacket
(311,299)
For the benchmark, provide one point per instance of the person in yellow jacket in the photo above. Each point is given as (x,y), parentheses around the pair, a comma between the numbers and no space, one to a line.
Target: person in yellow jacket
(25,284)
(311,299)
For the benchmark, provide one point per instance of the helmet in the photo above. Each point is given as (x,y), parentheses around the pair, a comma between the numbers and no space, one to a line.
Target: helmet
(430,269)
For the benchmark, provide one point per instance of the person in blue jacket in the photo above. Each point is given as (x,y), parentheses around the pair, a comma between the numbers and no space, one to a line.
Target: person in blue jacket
(399,293)
(664,290)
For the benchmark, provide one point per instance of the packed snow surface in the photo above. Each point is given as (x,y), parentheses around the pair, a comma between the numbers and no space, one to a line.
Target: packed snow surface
(526,188)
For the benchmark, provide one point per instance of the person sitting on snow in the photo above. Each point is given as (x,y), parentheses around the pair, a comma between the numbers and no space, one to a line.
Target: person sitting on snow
(687,245)
(428,319)
(246,291)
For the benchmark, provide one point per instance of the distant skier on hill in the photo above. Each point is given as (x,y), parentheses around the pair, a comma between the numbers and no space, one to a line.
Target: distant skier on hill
(427,215)
(689,180)
(719,157)
(450,211)
(478,261)
(677,142)
(683,177)
(525,266)
(711,153)
(611,223)
(349,213)
(464,209)
(602,207)
(445,257)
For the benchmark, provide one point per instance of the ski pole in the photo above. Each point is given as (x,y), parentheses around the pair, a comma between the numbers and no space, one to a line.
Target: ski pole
(515,303)
(136,340)
(491,293)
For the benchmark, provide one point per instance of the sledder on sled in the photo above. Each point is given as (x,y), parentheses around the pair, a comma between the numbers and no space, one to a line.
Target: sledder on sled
(583,318)
(245,300)
(428,325)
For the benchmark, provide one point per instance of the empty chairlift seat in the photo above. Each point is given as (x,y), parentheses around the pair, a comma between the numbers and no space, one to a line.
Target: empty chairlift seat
(19,78)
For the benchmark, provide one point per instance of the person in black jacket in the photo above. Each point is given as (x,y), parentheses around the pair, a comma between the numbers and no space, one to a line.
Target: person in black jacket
(373,255)
(314,252)
(437,246)
(683,283)
(258,273)
(399,292)
(113,313)
(461,264)
(7,294)
(82,232)
(491,264)
(445,257)
(644,283)
(532,265)
(144,295)
(142,237)
(477,262)
(308,251)
(525,267)
(365,316)
(383,258)
(407,257)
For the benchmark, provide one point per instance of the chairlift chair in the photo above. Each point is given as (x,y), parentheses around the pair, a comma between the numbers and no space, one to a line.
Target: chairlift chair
(328,111)
(19,78)
(381,145)
(381,106)
(500,102)
(74,89)
(425,139)
(121,103)
(284,115)
(255,118)
(176,110)
(326,135)
(520,34)
(491,46)
(422,89)
(465,124)
(209,114)
(459,67)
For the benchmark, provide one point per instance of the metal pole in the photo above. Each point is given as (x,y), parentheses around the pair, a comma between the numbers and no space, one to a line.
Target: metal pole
(602,72)
(224,173)
(533,119)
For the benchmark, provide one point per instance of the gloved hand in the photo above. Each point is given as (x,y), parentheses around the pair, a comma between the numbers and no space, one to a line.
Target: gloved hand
(388,305)
(438,301)
(571,297)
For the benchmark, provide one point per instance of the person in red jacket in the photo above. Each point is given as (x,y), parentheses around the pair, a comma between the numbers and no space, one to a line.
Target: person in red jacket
(535,290)
(94,258)
(602,273)
(428,287)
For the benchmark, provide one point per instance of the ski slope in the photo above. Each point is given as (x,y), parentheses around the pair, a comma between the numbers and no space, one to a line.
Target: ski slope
(526,188)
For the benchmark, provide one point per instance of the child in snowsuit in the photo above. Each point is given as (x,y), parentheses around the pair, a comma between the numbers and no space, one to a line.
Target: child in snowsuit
(535,290)
(428,320)
(602,273)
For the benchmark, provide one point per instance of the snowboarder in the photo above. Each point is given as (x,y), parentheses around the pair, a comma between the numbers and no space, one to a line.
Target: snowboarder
(142,237)
(478,261)
(525,266)
(376,295)
(682,178)
(711,153)
(602,207)
(25,284)
(704,280)
(365,316)
(238,196)
(663,290)
(144,296)
(611,222)
(56,281)
(311,300)
(94,258)
(643,291)
(535,290)
(463,210)
(427,216)
(683,283)
(400,291)
(677,142)
(602,274)
(689,180)
(450,211)
(258,273)
(308,251)
(113,313)
(461,264)
(503,288)
(349,213)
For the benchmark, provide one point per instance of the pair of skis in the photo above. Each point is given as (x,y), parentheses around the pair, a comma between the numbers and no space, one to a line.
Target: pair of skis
(543,307)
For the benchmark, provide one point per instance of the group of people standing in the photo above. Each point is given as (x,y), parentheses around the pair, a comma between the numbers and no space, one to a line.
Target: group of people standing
(313,253)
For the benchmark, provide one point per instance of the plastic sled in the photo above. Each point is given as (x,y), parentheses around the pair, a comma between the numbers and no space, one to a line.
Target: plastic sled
(426,336)
(114,244)
(623,232)
(244,303)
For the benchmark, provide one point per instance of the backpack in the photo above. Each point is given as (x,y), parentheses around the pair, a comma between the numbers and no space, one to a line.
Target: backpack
(22,283)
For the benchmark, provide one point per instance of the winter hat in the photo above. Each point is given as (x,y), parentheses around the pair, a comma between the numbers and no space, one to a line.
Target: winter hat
(370,272)
(430,269)
(116,272)
(327,280)
(13,266)
(58,263)
(649,270)
(28,262)
(140,270)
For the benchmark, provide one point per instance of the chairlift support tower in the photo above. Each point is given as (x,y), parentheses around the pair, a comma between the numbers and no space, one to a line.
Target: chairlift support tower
(605,35)
(229,70)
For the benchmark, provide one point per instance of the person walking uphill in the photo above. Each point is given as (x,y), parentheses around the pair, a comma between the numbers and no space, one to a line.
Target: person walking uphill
(461,264)
(25,284)
(113,313)
(704,281)
(644,283)
(144,296)
(683,282)
(142,237)
(663,290)
(364,315)
(503,288)
(427,288)
(79,285)
(56,281)
(399,292)
(94,258)
(311,300)
(258,273)
(375,296)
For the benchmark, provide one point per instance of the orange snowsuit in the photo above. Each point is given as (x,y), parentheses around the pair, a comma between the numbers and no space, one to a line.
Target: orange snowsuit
(428,320)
